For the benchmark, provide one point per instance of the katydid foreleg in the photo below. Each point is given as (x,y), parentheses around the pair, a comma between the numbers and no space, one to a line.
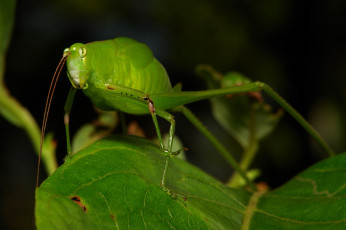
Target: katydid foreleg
(68,108)
(170,118)
(168,152)
(140,99)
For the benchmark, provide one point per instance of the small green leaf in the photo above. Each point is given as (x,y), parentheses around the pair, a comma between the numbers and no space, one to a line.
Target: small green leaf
(247,118)
(177,145)
(98,129)
(115,184)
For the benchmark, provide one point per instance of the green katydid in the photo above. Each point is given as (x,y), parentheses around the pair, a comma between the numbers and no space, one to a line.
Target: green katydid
(122,74)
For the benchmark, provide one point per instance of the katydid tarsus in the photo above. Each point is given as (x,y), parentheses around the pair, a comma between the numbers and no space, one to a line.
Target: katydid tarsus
(122,74)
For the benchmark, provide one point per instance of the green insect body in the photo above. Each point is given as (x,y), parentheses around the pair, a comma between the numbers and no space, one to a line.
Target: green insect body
(122,74)
(121,62)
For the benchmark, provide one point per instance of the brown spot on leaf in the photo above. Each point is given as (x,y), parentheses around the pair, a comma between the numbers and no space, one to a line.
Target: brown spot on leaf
(78,201)
(112,216)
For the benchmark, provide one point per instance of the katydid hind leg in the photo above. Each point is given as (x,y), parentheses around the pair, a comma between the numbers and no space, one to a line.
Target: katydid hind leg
(170,100)
(300,119)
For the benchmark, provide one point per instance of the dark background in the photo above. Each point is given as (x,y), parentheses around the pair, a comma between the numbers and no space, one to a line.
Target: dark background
(297,47)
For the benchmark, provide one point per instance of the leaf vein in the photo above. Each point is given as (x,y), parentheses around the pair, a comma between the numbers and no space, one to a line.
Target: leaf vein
(300,221)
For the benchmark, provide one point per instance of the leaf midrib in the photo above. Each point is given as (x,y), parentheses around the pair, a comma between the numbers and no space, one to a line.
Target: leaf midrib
(250,209)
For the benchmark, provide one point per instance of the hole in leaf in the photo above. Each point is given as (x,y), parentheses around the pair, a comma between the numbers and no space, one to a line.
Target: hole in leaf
(78,201)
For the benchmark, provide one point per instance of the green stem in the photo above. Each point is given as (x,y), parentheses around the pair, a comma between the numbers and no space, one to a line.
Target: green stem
(19,116)
(248,156)
(249,153)
(314,134)
(222,150)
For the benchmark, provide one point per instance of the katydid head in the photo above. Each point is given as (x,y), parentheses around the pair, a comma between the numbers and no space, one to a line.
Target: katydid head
(78,72)
(78,68)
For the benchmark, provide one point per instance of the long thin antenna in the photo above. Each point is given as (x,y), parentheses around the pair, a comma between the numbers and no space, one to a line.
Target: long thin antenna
(46,110)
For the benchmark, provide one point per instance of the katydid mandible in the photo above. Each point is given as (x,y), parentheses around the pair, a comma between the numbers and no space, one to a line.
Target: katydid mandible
(122,74)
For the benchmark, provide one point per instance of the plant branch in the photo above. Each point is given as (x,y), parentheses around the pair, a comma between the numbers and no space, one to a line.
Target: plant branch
(19,116)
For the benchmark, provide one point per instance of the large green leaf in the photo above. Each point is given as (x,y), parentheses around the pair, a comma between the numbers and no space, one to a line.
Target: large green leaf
(115,184)
(118,182)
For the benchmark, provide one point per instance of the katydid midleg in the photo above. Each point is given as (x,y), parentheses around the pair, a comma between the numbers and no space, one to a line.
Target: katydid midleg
(122,74)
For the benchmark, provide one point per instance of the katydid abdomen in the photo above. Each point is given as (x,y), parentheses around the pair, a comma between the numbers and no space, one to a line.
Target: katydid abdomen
(121,62)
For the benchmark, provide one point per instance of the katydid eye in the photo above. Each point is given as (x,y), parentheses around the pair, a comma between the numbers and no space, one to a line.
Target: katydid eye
(66,52)
(82,52)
